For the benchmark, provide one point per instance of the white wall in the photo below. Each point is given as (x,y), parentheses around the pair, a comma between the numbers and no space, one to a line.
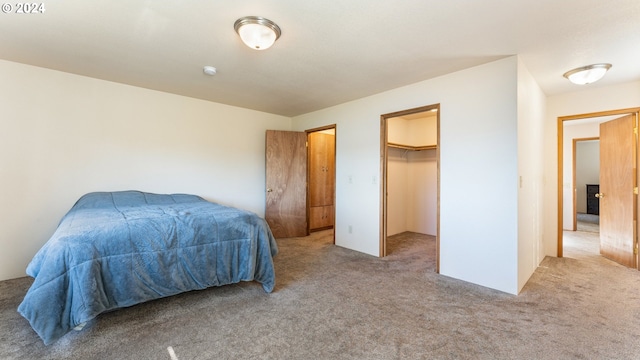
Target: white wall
(531,112)
(65,135)
(588,100)
(397,131)
(397,190)
(479,169)
(424,131)
(421,131)
(422,207)
(587,170)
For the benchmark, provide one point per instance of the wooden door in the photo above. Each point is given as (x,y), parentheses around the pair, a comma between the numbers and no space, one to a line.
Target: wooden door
(286,183)
(617,182)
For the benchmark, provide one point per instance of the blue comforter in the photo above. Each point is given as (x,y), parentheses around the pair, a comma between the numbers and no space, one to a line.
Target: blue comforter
(113,250)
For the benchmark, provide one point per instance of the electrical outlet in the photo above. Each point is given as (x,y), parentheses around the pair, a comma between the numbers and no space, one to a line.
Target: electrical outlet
(350,229)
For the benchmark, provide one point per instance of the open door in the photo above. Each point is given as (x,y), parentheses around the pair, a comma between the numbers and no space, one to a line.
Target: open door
(286,183)
(617,184)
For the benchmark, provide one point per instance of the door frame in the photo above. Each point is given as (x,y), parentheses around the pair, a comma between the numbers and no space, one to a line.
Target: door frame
(560,124)
(383,175)
(333,127)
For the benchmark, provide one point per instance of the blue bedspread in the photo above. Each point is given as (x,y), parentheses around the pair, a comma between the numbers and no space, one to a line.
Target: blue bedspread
(118,249)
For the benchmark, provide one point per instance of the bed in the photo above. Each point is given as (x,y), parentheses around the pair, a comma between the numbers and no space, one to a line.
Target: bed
(118,249)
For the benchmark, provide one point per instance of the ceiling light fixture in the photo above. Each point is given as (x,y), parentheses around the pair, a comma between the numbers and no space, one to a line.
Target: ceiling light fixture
(587,74)
(257,32)
(209,70)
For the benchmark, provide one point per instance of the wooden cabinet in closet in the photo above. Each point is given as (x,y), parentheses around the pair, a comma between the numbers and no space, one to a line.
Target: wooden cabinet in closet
(321,180)
(321,217)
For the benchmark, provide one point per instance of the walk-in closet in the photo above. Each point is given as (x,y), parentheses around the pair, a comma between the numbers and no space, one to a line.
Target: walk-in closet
(412,175)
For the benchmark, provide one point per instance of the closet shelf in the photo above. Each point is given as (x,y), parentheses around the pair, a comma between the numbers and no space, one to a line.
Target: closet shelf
(414,148)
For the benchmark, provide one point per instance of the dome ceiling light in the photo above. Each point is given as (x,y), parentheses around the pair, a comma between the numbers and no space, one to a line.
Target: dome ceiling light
(587,74)
(257,32)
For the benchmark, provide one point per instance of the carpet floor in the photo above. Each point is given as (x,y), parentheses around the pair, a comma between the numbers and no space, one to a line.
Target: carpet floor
(588,222)
(334,303)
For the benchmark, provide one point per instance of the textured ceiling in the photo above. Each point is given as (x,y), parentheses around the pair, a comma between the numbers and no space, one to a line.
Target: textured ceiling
(329,52)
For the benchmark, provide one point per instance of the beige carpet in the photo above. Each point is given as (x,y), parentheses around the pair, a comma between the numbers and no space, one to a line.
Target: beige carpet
(588,222)
(333,303)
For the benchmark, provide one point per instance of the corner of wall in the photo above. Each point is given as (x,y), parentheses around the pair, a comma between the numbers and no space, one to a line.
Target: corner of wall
(531,112)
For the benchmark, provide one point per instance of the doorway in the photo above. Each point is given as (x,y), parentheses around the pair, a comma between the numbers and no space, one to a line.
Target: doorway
(300,181)
(610,168)
(410,201)
(321,147)
(586,184)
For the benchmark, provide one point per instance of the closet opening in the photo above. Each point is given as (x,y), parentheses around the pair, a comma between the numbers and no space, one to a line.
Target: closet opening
(321,172)
(410,186)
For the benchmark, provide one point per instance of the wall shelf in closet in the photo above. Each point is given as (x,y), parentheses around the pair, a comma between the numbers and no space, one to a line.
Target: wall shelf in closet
(413,148)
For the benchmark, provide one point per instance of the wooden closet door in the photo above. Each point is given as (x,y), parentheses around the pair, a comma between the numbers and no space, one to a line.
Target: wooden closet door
(286,183)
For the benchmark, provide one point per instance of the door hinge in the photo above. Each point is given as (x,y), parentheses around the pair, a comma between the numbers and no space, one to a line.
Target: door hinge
(635,190)
(635,249)
(306,144)
(635,131)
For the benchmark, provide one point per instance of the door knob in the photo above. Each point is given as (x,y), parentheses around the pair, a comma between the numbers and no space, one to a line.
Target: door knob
(599,195)
(269,190)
